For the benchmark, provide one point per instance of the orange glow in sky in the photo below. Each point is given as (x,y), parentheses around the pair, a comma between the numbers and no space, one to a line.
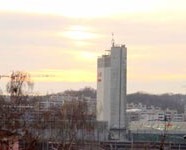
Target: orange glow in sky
(64,38)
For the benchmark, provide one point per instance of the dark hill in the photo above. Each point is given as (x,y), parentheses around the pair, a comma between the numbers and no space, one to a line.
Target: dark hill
(171,101)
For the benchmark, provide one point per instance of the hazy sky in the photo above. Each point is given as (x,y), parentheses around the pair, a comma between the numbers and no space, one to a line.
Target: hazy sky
(64,38)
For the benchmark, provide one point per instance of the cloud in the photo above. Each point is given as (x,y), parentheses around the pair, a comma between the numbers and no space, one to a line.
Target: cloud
(155,41)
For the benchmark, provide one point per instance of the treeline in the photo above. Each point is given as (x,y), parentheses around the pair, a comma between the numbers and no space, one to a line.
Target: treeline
(164,101)
(84,92)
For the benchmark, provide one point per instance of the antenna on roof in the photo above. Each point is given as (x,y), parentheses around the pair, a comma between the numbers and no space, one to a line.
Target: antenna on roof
(113,42)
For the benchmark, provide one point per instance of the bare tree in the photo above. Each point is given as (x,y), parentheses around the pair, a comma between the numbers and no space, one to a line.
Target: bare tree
(74,123)
(20,85)
(14,113)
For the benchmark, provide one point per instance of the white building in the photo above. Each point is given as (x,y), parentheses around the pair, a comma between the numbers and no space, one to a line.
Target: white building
(103,88)
(111,87)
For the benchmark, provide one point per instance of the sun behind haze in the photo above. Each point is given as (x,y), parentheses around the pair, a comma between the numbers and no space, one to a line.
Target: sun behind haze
(59,41)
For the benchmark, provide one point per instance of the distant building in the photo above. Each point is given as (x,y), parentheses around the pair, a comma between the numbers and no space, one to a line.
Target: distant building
(139,112)
(111,87)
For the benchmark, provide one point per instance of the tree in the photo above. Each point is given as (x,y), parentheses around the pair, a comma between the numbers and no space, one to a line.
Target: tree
(14,113)
(74,121)
(19,86)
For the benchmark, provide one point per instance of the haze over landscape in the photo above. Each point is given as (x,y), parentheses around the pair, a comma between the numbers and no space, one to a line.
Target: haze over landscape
(63,39)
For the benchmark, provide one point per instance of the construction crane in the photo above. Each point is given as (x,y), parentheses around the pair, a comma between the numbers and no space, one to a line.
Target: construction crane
(14,75)
(4,76)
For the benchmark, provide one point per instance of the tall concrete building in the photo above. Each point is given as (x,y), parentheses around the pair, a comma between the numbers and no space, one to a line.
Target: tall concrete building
(111,87)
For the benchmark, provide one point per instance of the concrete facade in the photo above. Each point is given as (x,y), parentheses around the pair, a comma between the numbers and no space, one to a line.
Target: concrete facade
(111,87)
(103,88)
